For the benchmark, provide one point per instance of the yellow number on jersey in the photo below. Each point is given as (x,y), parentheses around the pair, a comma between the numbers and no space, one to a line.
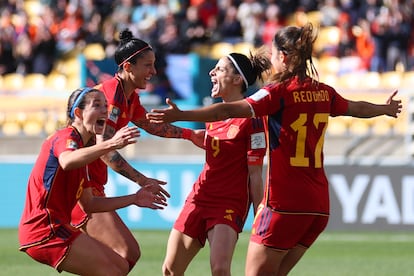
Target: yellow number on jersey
(215,145)
(300,160)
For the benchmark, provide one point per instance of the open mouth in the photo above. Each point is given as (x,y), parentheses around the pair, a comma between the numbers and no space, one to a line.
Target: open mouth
(100,122)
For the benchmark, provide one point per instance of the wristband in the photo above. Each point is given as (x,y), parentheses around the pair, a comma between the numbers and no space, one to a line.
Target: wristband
(186,133)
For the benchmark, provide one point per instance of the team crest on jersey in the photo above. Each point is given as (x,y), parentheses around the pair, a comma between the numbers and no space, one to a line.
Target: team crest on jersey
(70,144)
(114,113)
(232,132)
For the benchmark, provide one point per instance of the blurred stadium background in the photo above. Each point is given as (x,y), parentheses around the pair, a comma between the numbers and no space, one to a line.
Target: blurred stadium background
(369,162)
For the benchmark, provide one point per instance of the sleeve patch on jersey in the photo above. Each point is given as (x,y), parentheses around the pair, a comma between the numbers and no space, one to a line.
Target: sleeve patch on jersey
(114,114)
(259,95)
(71,144)
(258,141)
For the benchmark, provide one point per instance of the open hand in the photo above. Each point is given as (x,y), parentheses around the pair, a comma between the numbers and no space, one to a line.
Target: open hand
(167,115)
(125,136)
(154,186)
(146,198)
(395,106)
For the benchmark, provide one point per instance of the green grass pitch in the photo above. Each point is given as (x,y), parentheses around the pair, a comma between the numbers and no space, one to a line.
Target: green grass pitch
(333,254)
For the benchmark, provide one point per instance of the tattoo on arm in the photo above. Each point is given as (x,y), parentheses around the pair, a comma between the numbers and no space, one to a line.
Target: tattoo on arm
(161,130)
(121,166)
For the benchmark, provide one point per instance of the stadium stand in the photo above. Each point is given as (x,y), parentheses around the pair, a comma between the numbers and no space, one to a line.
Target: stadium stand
(220,49)
(12,82)
(94,51)
(243,47)
(34,81)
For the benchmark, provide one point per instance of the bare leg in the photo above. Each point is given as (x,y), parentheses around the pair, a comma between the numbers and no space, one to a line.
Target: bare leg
(262,260)
(89,257)
(109,229)
(181,249)
(291,259)
(222,240)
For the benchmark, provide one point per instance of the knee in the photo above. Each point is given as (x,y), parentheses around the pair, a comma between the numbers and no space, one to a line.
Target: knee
(119,268)
(132,255)
(167,270)
(220,269)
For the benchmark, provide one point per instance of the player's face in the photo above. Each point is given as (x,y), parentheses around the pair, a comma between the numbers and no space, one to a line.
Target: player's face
(95,113)
(223,79)
(143,70)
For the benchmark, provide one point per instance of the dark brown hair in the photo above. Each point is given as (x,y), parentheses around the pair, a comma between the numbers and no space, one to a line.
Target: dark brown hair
(297,44)
(129,48)
(251,68)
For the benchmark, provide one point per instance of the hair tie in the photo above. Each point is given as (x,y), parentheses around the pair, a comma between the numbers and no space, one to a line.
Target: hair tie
(78,100)
(137,52)
(238,69)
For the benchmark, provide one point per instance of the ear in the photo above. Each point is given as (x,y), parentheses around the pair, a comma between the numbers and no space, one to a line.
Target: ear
(78,112)
(238,79)
(127,66)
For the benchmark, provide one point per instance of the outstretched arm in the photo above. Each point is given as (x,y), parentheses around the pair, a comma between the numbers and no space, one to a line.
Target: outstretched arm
(211,113)
(170,131)
(362,109)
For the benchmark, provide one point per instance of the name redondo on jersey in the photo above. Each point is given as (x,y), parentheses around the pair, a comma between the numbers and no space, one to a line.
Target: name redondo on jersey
(310,96)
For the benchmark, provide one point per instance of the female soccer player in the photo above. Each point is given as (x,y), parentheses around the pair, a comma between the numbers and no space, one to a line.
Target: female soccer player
(56,183)
(217,207)
(135,59)
(295,206)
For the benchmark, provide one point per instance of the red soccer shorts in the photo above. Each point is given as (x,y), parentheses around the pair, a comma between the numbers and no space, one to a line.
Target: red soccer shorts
(195,221)
(54,251)
(284,231)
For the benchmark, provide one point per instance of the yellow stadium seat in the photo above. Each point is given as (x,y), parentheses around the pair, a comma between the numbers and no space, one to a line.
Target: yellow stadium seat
(94,51)
(407,80)
(244,48)
(73,83)
(56,81)
(13,81)
(34,81)
(33,7)
(391,80)
(32,128)
(201,49)
(338,126)
(350,81)
(382,125)
(12,123)
(328,37)
(370,80)
(329,79)
(328,65)
(220,49)
(11,129)
(314,17)
(69,67)
(360,127)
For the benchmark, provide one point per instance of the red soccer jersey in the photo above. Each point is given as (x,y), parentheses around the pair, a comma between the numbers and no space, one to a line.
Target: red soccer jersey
(52,192)
(231,146)
(297,120)
(120,112)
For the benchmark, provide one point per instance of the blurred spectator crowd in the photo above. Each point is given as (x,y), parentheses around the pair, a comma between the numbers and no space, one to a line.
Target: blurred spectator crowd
(35,34)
